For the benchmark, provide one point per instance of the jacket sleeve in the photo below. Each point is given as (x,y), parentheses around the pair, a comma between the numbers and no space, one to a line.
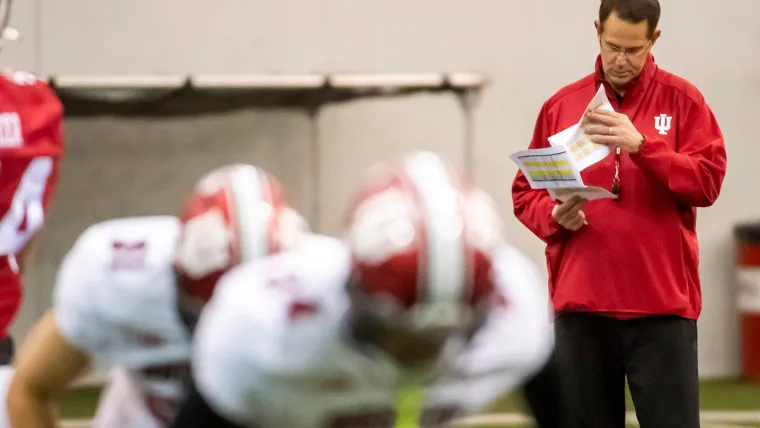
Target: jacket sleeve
(695,171)
(534,207)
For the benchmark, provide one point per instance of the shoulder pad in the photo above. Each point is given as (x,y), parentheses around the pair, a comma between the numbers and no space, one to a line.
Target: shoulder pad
(110,271)
(19,77)
(121,245)
(24,82)
(32,109)
(282,304)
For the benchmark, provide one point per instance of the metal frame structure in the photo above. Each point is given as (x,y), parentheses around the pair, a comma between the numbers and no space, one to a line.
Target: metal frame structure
(188,95)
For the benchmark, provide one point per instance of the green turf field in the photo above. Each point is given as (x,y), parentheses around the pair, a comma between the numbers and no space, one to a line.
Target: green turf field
(717,396)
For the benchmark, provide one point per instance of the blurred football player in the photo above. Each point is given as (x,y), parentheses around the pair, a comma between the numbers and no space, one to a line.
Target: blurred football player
(128,290)
(422,292)
(31,146)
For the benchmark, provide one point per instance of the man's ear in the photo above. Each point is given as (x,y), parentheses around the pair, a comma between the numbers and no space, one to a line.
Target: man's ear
(599,28)
(655,36)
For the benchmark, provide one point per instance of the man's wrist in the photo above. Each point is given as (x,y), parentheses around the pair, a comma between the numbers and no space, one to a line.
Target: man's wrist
(641,142)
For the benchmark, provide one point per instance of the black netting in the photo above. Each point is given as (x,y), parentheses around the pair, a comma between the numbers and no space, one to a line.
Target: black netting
(190,101)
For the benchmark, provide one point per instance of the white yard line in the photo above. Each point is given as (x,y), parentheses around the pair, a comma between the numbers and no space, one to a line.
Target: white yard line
(712,419)
(714,425)
(495,418)
(76,423)
(730,416)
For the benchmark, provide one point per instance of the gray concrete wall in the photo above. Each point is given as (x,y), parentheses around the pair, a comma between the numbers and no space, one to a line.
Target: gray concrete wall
(120,167)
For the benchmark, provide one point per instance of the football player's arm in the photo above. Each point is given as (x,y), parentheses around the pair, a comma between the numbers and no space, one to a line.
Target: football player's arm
(44,368)
(51,140)
(515,343)
(231,354)
(57,349)
(224,376)
(25,257)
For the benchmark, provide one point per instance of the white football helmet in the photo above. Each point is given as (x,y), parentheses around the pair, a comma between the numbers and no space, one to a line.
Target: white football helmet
(235,214)
(423,243)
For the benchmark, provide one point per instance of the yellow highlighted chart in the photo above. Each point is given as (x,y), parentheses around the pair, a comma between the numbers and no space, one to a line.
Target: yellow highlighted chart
(548,168)
(554,169)
(558,168)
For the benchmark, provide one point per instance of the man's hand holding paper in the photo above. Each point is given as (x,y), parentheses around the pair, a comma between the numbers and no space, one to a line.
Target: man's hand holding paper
(613,129)
(569,214)
(577,138)
(558,168)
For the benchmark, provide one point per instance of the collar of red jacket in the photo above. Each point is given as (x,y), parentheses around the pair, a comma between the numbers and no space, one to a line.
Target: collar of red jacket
(636,87)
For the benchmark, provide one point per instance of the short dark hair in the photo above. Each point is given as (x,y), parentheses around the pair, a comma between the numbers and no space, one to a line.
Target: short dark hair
(633,11)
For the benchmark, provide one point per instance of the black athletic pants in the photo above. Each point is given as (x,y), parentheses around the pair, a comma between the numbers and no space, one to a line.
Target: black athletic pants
(658,356)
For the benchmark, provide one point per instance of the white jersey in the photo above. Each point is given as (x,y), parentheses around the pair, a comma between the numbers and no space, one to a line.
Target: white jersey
(116,300)
(271,348)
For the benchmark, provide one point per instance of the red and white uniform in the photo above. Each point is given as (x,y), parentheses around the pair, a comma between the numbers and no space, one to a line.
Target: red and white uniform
(116,300)
(118,291)
(280,344)
(272,349)
(31,146)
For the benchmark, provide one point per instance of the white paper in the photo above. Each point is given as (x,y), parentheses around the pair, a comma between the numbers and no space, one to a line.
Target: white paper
(561,138)
(588,192)
(558,168)
(548,168)
(554,169)
(584,152)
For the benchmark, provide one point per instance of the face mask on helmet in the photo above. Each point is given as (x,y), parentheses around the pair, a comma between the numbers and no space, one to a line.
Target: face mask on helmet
(235,214)
(422,243)
(416,341)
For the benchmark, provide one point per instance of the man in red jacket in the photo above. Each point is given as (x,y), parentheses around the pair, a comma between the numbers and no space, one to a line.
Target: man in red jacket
(623,272)
(31,146)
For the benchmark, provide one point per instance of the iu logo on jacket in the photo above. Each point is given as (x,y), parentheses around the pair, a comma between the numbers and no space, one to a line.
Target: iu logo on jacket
(662,123)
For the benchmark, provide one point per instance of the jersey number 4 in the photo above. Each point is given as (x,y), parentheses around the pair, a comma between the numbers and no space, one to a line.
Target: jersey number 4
(26,212)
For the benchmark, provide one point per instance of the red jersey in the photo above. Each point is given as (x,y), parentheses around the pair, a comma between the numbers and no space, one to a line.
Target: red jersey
(31,146)
(638,255)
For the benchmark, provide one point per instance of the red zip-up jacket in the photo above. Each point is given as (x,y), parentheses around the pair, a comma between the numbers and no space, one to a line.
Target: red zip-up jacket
(638,255)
